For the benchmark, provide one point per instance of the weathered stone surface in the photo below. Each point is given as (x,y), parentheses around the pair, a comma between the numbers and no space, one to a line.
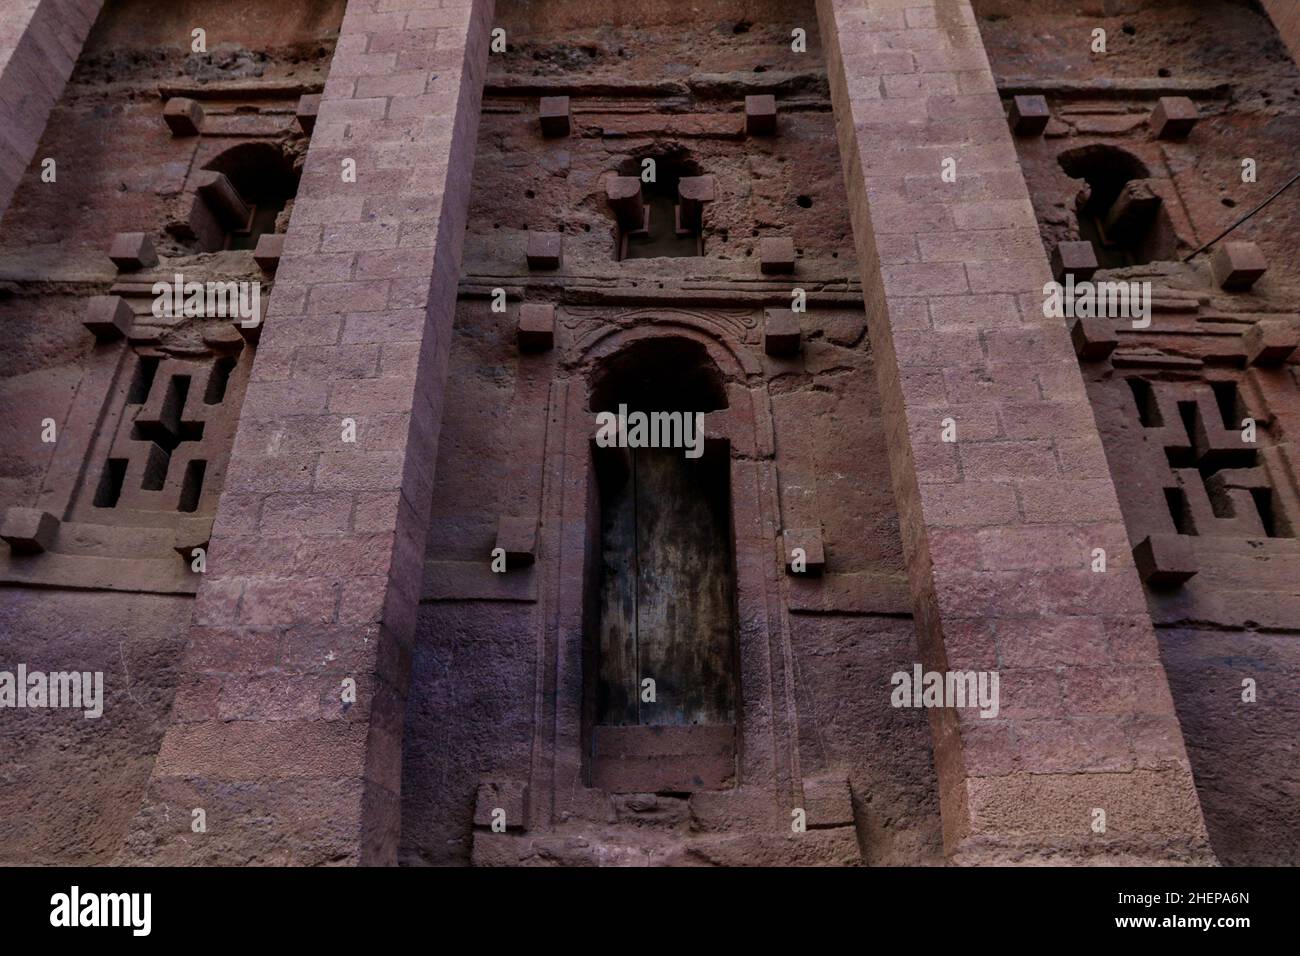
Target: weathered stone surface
(183,116)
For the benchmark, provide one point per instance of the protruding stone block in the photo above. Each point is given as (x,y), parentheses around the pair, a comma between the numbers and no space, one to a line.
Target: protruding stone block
(780,332)
(828,802)
(536,329)
(1132,210)
(250,329)
(776,254)
(760,115)
(29,530)
(504,800)
(553,113)
(221,196)
(1237,265)
(544,250)
(192,533)
(802,551)
(183,116)
(132,251)
(1078,259)
(308,107)
(1174,117)
(1270,342)
(1165,560)
(108,317)
(270,246)
(517,537)
(1093,338)
(1029,115)
(693,192)
(623,193)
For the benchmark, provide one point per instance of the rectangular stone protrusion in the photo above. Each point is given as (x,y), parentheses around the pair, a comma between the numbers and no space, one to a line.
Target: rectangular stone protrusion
(544,250)
(536,328)
(223,199)
(270,246)
(1270,342)
(776,254)
(760,115)
(1237,265)
(693,192)
(1093,338)
(517,537)
(802,551)
(1078,259)
(623,193)
(1173,117)
(131,251)
(250,329)
(1029,115)
(183,116)
(1164,560)
(108,317)
(554,115)
(191,533)
(1132,210)
(305,114)
(505,801)
(780,332)
(29,530)
(828,802)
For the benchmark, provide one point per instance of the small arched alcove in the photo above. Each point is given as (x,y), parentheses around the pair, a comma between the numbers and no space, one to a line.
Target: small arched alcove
(662,615)
(1118,211)
(670,233)
(265,178)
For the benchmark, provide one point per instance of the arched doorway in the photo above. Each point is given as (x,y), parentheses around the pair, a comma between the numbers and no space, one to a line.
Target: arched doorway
(664,713)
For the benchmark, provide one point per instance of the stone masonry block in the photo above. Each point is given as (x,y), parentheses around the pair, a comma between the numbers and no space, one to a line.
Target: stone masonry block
(517,537)
(1078,259)
(131,251)
(1165,560)
(809,542)
(1237,265)
(544,250)
(508,796)
(776,254)
(191,533)
(29,530)
(693,192)
(623,193)
(536,329)
(760,115)
(1029,115)
(828,802)
(1093,339)
(554,115)
(270,246)
(1270,342)
(108,317)
(1173,117)
(308,108)
(780,332)
(223,198)
(183,116)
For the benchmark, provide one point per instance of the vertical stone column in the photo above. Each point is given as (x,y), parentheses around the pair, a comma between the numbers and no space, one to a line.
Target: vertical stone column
(317,552)
(1286,17)
(999,526)
(40,41)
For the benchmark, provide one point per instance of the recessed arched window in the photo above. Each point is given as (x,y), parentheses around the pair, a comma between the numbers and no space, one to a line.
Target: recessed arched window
(1118,211)
(665,592)
(672,227)
(265,178)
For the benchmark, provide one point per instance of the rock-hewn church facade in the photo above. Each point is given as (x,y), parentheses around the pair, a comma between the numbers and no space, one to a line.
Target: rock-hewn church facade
(310,313)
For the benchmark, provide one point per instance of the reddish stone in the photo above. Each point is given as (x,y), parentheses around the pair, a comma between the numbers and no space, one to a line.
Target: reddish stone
(809,541)
(780,332)
(108,317)
(517,537)
(1237,265)
(1270,342)
(1165,560)
(132,251)
(776,254)
(760,115)
(1078,259)
(536,329)
(553,114)
(183,116)
(29,530)
(1029,115)
(1174,117)
(270,246)
(1093,338)
(305,114)
(544,250)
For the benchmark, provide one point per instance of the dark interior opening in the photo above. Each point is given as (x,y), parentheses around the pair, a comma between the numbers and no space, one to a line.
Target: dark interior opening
(663,238)
(265,177)
(1144,233)
(109,489)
